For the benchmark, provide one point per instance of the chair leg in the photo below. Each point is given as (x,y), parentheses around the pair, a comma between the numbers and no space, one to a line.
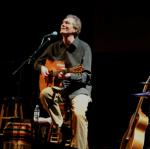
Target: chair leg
(54,135)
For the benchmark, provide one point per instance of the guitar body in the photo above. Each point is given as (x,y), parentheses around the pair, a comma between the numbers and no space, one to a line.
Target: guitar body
(134,137)
(51,80)
(54,68)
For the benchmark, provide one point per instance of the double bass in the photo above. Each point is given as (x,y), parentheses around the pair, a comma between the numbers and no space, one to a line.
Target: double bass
(134,137)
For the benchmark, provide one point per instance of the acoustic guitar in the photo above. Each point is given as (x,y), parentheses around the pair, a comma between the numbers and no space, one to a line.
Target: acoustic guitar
(135,135)
(54,68)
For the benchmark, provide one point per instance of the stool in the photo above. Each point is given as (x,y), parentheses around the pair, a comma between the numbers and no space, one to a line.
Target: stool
(63,134)
(57,135)
(10,108)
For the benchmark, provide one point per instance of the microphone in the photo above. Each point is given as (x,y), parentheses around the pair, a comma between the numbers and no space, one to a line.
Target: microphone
(54,33)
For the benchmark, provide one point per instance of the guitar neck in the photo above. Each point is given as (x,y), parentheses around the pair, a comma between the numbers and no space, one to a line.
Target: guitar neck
(138,109)
(76,69)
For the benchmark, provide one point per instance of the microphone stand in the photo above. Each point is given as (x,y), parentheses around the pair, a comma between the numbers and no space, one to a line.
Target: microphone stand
(44,42)
(31,57)
(18,95)
(28,61)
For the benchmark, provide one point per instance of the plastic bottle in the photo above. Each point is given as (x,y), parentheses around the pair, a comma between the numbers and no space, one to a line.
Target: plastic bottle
(36,113)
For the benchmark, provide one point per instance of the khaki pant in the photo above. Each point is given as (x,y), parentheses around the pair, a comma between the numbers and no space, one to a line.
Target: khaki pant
(79,121)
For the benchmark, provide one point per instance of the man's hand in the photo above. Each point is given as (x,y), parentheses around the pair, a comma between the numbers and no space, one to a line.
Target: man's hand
(44,71)
(67,75)
(63,76)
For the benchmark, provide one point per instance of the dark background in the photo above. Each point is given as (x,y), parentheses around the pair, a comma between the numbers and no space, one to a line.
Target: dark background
(119,35)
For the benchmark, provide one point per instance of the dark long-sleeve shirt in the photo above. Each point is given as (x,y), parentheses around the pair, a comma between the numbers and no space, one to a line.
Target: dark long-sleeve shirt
(79,52)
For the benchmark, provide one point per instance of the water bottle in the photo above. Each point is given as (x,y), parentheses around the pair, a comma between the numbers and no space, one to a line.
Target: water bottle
(36,113)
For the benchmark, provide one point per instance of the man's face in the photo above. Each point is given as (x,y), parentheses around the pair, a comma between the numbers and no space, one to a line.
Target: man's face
(67,26)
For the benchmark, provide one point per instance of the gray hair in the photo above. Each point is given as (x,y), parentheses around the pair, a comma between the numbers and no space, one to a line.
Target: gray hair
(77,22)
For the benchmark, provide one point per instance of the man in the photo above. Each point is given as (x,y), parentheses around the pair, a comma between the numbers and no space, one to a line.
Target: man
(75,86)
